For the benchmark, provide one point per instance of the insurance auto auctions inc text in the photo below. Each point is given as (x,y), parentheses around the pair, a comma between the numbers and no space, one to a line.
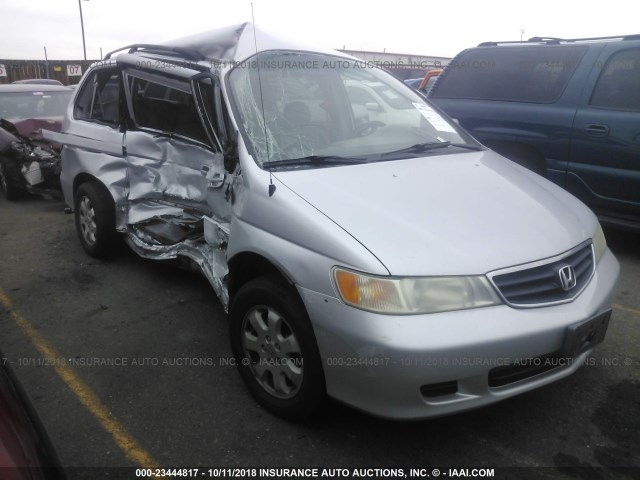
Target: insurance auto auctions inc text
(373,472)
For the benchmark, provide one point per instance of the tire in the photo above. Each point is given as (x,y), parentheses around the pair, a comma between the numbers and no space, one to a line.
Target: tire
(275,349)
(10,191)
(95,219)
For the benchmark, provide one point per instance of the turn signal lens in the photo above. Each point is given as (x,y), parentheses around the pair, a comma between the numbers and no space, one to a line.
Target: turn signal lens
(347,285)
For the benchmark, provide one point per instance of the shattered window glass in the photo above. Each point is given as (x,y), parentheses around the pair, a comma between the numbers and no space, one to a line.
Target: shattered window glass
(297,105)
(166,109)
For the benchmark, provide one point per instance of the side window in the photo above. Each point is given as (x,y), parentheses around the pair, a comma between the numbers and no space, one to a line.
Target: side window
(99,99)
(535,74)
(618,87)
(165,108)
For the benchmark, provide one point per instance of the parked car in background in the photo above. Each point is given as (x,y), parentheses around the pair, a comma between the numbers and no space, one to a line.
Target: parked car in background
(39,81)
(428,80)
(28,162)
(26,453)
(566,109)
(365,246)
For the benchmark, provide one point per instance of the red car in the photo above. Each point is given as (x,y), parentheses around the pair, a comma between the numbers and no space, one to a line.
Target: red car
(26,452)
(27,161)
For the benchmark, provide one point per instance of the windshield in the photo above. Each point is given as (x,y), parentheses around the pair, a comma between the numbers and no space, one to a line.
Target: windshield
(295,105)
(37,104)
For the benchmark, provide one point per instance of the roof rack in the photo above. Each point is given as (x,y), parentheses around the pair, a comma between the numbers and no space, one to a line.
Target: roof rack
(556,40)
(187,53)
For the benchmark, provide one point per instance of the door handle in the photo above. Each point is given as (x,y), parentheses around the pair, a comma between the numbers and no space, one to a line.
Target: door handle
(595,130)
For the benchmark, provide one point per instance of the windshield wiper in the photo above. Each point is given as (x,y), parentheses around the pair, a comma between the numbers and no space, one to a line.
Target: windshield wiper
(314,160)
(425,147)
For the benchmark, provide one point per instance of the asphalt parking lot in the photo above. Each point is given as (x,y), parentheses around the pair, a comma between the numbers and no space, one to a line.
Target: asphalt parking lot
(139,376)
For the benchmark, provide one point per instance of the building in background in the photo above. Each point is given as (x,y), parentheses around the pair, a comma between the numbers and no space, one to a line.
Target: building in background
(68,72)
(402,65)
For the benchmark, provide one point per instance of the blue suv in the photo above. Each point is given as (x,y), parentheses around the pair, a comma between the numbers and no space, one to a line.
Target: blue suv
(567,109)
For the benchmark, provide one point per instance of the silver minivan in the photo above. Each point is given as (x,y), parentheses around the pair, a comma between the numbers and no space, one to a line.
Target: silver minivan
(365,247)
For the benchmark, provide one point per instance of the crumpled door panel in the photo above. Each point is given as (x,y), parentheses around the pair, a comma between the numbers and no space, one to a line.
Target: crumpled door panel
(167,169)
(173,209)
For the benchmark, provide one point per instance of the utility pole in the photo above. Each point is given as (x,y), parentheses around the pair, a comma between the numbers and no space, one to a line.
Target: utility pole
(46,62)
(84,47)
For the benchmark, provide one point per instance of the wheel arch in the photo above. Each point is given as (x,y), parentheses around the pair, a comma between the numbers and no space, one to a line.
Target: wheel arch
(87,178)
(247,266)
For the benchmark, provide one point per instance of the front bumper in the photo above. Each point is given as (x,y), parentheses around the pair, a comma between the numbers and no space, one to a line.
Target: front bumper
(387,365)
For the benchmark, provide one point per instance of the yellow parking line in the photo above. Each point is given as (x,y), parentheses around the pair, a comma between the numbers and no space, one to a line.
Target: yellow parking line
(626,309)
(90,400)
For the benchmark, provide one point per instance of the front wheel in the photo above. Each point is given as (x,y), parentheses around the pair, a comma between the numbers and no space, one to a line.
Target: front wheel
(95,219)
(9,190)
(276,350)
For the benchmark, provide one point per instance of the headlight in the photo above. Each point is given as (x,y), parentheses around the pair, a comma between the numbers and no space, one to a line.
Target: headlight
(599,243)
(413,295)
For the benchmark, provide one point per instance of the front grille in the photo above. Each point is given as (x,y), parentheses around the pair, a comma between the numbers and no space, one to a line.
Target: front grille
(541,284)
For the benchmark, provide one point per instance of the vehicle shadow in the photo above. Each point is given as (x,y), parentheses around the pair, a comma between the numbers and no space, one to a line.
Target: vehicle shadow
(623,242)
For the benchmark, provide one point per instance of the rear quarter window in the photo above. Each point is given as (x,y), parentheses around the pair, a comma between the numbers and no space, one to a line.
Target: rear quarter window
(618,87)
(535,74)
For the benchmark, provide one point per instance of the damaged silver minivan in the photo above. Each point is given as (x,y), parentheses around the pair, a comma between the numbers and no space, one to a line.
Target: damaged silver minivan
(365,247)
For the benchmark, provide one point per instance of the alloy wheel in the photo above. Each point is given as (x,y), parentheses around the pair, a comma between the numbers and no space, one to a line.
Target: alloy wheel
(87,219)
(273,350)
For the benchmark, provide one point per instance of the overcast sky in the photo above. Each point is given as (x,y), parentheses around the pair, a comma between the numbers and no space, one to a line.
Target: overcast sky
(424,27)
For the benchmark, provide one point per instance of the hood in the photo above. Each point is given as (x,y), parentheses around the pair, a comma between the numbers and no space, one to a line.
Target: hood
(29,130)
(455,214)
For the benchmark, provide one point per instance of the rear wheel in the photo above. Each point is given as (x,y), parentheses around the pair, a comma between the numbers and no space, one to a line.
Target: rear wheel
(95,219)
(275,349)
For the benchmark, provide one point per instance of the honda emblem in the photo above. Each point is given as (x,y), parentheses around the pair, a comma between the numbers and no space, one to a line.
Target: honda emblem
(567,277)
